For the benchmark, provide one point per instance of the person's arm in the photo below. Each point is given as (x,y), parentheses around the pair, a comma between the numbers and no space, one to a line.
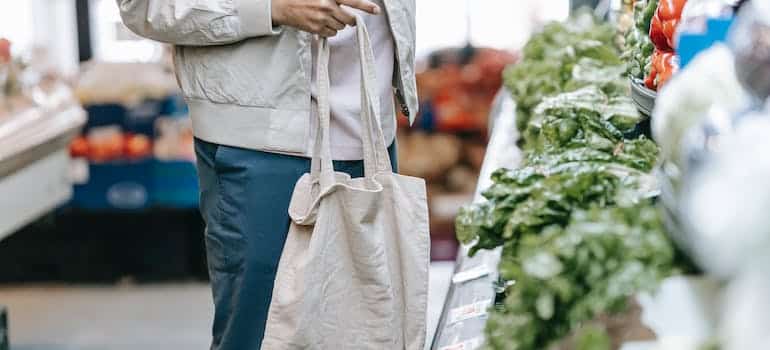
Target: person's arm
(219,22)
(198,22)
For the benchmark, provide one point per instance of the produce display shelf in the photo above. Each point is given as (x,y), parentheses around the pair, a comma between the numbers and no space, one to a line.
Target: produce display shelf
(35,164)
(682,305)
(643,98)
(472,291)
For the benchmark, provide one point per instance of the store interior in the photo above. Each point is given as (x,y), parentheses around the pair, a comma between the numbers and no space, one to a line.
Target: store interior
(595,172)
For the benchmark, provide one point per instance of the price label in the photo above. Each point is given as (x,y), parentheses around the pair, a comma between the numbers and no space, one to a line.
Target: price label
(470,344)
(469,311)
(471,274)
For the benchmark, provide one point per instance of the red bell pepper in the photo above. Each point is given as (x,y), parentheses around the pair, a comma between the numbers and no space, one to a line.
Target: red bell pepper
(664,23)
(657,36)
(662,32)
(664,65)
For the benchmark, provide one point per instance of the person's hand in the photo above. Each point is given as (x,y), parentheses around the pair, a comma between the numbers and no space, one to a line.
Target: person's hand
(323,17)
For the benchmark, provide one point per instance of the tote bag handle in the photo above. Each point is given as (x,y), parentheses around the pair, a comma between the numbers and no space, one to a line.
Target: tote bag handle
(376,159)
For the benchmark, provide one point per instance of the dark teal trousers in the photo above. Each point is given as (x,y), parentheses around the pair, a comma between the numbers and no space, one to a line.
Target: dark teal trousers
(244,201)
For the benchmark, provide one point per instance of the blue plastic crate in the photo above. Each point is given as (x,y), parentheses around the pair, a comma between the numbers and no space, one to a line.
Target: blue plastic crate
(116,186)
(104,115)
(427,116)
(174,105)
(140,119)
(175,184)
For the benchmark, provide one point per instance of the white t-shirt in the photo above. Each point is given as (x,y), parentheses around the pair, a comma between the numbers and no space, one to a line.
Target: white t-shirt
(345,81)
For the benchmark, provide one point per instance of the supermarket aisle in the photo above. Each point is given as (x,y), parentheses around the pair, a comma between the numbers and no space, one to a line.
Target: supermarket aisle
(158,317)
(110,318)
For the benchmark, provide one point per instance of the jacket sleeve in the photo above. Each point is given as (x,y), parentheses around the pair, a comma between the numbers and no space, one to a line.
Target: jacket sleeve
(198,22)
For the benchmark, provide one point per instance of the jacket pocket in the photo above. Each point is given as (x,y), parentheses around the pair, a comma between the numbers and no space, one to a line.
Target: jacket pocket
(257,72)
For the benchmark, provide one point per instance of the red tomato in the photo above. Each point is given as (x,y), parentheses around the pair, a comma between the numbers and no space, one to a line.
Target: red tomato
(137,146)
(79,147)
(5,50)
(103,149)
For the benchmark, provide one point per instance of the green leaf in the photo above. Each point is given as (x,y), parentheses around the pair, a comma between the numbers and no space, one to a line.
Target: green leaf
(593,338)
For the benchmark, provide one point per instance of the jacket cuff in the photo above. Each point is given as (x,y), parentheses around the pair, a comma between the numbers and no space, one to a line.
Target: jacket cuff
(256,18)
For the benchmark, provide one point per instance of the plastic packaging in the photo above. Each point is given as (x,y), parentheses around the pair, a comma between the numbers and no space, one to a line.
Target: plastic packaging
(697,12)
(726,202)
(703,23)
(749,39)
(709,81)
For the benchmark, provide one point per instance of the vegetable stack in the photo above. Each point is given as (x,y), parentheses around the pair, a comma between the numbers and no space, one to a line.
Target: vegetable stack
(550,59)
(662,31)
(639,48)
(578,230)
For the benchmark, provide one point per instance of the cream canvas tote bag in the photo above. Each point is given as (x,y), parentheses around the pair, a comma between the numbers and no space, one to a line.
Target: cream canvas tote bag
(354,269)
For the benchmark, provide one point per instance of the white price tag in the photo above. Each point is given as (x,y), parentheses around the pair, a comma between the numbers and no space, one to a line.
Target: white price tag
(471,274)
(470,344)
(79,173)
(465,312)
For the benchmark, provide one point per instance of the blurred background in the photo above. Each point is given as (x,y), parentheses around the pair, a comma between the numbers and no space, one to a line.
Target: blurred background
(101,243)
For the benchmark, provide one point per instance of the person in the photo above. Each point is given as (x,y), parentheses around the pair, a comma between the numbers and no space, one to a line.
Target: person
(245,69)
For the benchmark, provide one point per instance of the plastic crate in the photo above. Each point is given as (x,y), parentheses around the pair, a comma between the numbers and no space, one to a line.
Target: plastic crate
(175,184)
(116,186)
(140,119)
(174,105)
(427,116)
(104,115)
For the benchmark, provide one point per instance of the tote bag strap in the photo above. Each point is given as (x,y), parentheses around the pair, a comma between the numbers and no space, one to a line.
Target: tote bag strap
(321,165)
(371,130)
(376,159)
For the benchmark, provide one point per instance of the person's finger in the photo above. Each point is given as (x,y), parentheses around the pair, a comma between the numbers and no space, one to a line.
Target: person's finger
(327,32)
(333,23)
(363,5)
(343,16)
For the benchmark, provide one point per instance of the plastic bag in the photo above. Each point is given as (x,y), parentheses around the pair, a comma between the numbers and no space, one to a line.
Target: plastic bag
(749,39)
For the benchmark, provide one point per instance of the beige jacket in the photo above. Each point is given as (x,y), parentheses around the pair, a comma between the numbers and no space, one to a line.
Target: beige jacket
(247,82)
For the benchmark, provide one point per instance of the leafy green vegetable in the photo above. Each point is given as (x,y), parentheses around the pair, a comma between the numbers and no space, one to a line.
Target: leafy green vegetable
(639,154)
(531,81)
(594,338)
(562,58)
(609,116)
(524,201)
(589,71)
(565,277)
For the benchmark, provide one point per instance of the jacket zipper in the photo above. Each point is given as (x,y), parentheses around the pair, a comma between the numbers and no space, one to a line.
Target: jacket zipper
(400,97)
(399,90)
